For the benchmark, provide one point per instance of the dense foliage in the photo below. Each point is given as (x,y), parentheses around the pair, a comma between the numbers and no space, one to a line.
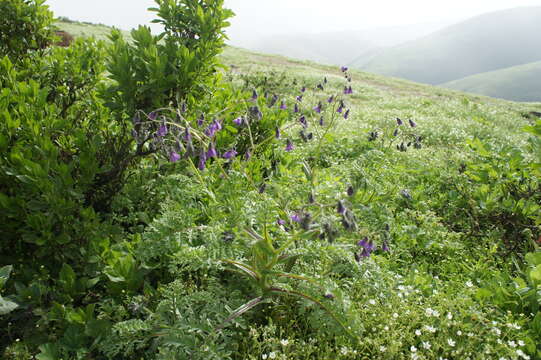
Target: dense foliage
(155,205)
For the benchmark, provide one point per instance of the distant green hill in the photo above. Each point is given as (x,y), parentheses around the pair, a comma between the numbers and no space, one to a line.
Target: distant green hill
(485,43)
(80,29)
(517,83)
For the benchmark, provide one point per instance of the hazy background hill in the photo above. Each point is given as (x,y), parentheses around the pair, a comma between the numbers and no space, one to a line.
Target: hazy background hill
(518,83)
(484,43)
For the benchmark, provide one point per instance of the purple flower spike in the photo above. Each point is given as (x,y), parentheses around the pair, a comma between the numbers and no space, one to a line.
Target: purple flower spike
(340,109)
(277,133)
(202,161)
(412,123)
(350,90)
(346,114)
(229,154)
(330,99)
(187,135)
(218,125)
(289,145)
(174,157)
(399,121)
(296,109)
(238,121)
(211,153)
(283,105)
(318,108)
(302,120)
(153,115)
(299,98)
(254,95)
(296,218)
(162,130)
(346,90)
(280,222)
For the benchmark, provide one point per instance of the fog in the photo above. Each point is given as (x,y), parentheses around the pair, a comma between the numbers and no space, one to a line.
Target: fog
(256,19)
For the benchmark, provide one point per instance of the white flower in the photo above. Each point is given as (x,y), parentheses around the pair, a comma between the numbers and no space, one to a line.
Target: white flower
(497,331)
(418,332)
(414,356)
(459,333)
(499,341)
(272,355)
(435,313)
(451,342)
(502,358)
(284,342)
(523,355)
(469,284)
(521,343)
(430,329)
(382,348)
(344,350)
(449,316)
(386,328)
(372,302)
(470,334)
(513,326)
(426,345)
(264,356)
(429,312)
(413,349)
(512,344)
(395,315)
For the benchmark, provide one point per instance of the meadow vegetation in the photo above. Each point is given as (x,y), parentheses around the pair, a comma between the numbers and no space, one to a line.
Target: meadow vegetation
(171,198)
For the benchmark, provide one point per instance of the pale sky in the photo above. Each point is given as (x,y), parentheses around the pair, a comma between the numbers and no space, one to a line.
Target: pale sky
(266,17)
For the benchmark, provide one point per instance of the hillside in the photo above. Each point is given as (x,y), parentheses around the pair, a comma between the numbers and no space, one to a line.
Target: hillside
(517,83)
(484,43)
(80,29)
(363,216)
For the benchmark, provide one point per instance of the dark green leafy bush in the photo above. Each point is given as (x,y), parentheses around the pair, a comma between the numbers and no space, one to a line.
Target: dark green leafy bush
(25,26)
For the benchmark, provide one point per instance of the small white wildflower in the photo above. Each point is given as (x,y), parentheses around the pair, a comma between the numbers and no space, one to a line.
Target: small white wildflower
(512,344)
(386,328)
(435,313)
(429,312)
(264,356)
(521,343)
(502,358)
(451,342)
(499,341)
(418,332)
(395,315)
(344,350)
(523,355)
(382,348)
(413,349)
(449,316)
(430,329)
(284,342)
(414,356)
(513,326)
(470,334)
(426,345)
(469,284)
(372,302)
(272,355)
(459,333)
(497,331)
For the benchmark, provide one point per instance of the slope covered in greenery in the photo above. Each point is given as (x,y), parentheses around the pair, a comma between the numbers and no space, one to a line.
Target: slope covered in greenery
(278,209)
(517,83)
(484,43)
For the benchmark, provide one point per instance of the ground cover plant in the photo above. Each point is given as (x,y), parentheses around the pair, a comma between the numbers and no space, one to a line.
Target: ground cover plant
(155,204)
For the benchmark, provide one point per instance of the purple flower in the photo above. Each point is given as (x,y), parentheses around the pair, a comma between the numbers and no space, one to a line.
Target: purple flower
(303,89)
(273,100)
(248,155)
(211,153)
(296,109)
(299,98)
(201,120)
(202,161)
(329,296)
(174,157)
(346,90)
(412,123)
(350,191)
(136,118)
(318,108)
(350,90)
(340,109)
(289,145)
(238,121)
(214,127)
(280,222)
(277,133)
(153,115)
(254,95)
(296,218)
(330,99)
(344,68)
(385,246)
(162,130)
(399,121)
(187,135)
(302,120)
(341,208)
(346,114)
(321,121)
(283,105)
(230,154)
(325,80)
(367,248)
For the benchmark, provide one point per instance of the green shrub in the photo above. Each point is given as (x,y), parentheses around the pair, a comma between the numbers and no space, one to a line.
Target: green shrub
(25,26)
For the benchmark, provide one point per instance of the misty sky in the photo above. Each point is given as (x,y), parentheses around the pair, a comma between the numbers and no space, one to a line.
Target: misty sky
(266,17)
